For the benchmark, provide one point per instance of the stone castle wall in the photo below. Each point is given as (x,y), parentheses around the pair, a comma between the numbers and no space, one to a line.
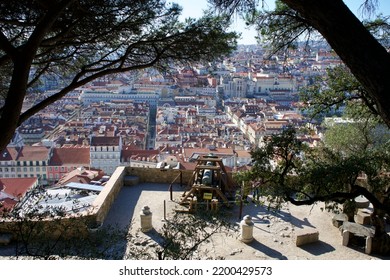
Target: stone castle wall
(162,176)
(104,201)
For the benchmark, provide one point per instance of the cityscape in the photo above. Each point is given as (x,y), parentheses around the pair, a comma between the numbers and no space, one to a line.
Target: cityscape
(150,121)
(139,119)
(229,133)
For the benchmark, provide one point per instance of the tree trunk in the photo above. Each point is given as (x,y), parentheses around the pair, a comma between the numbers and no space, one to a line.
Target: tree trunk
(349,209)
(22,58)
(367,59)
(381,240)
(9,119)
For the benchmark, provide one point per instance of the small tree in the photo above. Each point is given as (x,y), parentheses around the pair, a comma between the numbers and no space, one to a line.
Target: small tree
(185,234)
(290,171)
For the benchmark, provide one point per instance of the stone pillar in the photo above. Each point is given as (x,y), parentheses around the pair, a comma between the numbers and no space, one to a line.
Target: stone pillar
(214,205)
(246,226)
(345,237)
(146,219)
(193,203)
(368,248)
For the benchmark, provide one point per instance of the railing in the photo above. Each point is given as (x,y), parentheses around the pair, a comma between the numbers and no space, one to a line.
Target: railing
(180,175)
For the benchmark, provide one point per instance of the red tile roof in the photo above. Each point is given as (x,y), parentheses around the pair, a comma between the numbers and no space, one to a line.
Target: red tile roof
(188,152)
(81,175)
(70,156)
(105,141)
(17,186)
(129,151)
(26,153)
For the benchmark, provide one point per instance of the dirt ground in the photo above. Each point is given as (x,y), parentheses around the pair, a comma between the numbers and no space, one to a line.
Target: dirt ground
(273,232)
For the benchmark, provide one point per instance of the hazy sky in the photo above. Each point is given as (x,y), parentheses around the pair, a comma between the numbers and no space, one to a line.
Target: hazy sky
(194,8)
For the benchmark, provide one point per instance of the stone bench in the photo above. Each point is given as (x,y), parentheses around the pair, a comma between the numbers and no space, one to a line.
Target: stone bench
(306,236)
(363,217)
(348,230)
(339,219)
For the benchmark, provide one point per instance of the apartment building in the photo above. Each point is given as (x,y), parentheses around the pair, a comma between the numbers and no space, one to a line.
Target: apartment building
(65,160)
(105,153)
(24,162)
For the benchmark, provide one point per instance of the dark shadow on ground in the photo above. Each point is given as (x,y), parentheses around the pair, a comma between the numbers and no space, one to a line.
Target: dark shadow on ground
(155,236)
(256,245)
(361,248)
(122,210)
(262,214)
(122,213)
(317,248)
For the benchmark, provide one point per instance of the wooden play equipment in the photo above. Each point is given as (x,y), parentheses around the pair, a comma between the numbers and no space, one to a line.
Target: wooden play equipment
(210,183)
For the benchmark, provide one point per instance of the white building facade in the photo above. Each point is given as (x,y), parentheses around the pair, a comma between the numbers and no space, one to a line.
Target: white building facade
(105,153)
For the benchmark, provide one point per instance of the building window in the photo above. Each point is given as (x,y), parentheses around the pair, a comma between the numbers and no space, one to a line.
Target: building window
(37,162)
(25,169)
(31,169)
(37,169)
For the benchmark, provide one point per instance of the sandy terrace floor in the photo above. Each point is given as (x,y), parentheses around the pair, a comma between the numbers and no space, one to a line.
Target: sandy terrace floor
(274,232)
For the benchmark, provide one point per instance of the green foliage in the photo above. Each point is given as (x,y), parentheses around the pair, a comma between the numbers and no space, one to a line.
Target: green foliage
(336,90)
(287,170)
(92,36)
(275,165)
(187,236)
(281,28)
(380,28)
(355,136)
